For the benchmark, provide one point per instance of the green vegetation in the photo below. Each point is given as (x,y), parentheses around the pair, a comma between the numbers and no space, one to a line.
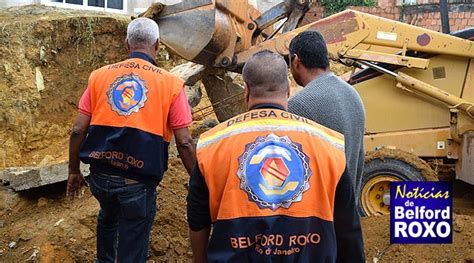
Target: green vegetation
(333,7)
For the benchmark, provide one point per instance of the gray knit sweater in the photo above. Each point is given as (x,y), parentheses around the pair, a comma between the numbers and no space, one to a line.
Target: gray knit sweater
(331,102)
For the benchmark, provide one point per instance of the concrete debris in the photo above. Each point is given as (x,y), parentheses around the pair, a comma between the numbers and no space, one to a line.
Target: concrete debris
(7,68)
(191,73)
(24,178)
(46,160)
(42,54)
(34,255)
(12,244)
(59,222)
(39,79)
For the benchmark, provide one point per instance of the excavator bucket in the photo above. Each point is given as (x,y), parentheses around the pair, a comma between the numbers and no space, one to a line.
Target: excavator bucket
(193,29)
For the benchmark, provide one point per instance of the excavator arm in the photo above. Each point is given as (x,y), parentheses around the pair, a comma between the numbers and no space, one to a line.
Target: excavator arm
(359,36)
(223,34)
(212,32)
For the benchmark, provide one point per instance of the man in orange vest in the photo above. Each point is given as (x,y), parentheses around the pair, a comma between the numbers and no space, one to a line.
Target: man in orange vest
(272,184)
(127,117)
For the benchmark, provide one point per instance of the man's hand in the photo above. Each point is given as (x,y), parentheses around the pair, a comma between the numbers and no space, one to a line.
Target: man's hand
(75,182)
(199,240)
(75,179)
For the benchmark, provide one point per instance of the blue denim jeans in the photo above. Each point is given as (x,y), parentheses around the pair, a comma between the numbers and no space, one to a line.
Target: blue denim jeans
(125,218)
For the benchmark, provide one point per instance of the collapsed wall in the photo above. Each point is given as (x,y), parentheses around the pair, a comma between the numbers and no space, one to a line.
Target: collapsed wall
(46,57)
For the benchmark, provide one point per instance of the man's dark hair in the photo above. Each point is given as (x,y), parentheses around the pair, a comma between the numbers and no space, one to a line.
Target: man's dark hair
(266,75)
(311,49)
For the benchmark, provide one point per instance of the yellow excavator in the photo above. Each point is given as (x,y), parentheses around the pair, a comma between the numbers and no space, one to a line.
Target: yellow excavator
(417,85)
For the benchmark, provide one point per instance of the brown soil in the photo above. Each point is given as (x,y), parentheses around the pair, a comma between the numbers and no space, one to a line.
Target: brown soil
(64,231)
(378,247)
(64,47)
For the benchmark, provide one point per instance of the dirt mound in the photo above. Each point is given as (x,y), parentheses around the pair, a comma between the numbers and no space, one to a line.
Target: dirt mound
(47,227)
(46,57)
(378,247)
(44,225)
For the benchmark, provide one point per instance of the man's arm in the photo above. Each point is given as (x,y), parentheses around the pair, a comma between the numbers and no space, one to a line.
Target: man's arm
(199,215)
(186,148)
(79,131)
(180,119)
(199,240)
(350,245)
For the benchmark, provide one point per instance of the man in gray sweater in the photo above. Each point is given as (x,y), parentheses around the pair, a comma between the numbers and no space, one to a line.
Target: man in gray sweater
(327,99)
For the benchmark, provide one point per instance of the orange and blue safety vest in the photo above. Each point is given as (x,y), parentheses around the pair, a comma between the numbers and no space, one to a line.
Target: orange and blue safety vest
(266,180)
(129,131)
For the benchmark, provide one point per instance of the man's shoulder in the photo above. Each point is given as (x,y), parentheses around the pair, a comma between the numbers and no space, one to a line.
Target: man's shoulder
(327,88)
(329,80)
(128,63)
(304,125)
(327,132)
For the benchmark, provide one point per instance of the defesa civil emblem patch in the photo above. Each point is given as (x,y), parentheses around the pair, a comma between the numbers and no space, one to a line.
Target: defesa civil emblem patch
(274,171)
(127,94)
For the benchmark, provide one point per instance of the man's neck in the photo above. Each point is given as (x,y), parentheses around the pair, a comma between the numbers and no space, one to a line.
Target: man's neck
(255,102)
(312,74)
(145,51)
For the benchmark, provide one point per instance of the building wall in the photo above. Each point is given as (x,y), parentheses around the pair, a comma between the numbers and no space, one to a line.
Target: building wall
(9,3)
(461,15)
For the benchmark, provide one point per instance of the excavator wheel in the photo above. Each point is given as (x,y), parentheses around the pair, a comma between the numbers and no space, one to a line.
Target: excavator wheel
(383,167)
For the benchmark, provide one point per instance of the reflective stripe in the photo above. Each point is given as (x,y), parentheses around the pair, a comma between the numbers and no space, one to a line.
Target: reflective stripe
(273,125)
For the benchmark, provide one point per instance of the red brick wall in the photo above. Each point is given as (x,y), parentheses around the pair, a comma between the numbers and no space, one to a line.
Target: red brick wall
(390,12)
(457,20)
(314,14)
(386,3)
(426,15)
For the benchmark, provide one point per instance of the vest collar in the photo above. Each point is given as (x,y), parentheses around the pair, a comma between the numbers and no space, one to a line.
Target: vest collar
(268,106)
(143,56)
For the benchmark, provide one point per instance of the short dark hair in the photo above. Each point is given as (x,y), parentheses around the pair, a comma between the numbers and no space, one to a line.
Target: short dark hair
(311,49)
(266,75)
